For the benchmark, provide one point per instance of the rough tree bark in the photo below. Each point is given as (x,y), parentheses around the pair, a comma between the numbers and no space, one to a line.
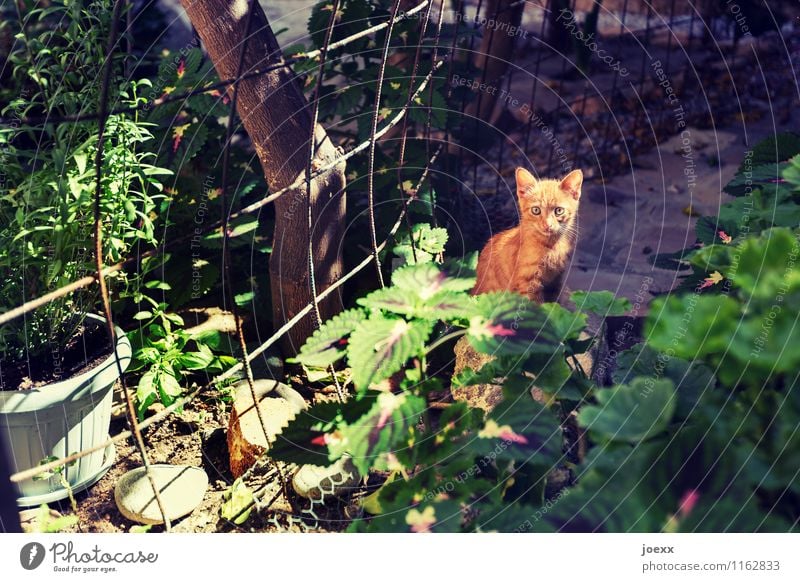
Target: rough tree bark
(277,118)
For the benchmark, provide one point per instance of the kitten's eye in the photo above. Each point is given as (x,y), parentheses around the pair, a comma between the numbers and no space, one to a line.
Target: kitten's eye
(559,211)
(536,211)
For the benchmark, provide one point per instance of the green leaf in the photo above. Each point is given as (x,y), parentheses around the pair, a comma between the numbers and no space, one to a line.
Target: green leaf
(632,412)
(307,437)
(196,360)
(388,423)
(692,326)
(428,242)
(567,325)
(391,299)
(381,346)
(238,504)
(601,303)
(426,280)
(523,430)
(507,323)
(146,392)
(328,344)
(691,379)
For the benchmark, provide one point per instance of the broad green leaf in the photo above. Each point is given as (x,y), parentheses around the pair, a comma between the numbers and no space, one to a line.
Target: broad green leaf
(601,303)
(523,430)
(381,346)
(567,324)
(426,280)
(691,379)
(146,392)
(329,343)
(392,299)
(507,323)
(692,326)
(630,412)
(312,437)
(388,424)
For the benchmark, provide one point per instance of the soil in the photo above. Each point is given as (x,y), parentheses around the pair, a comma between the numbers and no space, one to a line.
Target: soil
(87,349)
(196,437)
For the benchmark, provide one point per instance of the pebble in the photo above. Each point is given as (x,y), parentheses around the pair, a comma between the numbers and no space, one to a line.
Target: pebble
(181,489)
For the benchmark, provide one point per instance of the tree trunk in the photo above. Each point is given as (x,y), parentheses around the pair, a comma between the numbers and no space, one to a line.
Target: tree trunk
(495,53)
(277,117)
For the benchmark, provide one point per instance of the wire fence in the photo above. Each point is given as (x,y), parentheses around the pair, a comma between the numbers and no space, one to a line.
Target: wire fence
(545,102)
(377,131)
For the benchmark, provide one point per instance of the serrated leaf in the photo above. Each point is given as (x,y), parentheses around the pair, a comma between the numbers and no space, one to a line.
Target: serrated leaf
(427,242)
(632,412)
(329,343)
(567,324)
(523,430)
(387,424)
(307,438)
(507,323)
(602,303)
(381,346)
(428,279)
(392,299)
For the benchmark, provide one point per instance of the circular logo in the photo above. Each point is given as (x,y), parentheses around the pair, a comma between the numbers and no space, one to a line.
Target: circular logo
(31,555)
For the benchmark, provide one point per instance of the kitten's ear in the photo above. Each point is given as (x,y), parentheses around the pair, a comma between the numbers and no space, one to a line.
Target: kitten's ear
(572,183)
(525,181)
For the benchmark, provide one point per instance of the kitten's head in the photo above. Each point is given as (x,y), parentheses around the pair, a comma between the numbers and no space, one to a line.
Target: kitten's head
(549,206)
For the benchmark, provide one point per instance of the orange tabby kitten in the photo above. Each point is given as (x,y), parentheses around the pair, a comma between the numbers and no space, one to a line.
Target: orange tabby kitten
(530,259)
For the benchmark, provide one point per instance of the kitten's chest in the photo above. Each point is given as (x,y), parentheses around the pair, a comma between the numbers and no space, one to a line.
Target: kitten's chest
(546,264)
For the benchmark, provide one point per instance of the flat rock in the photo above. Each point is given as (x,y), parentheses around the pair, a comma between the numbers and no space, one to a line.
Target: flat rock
(484,396)
(277,403)
(315,482)
(180,487)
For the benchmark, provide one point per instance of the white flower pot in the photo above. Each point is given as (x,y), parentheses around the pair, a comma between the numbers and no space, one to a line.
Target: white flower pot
(60,419)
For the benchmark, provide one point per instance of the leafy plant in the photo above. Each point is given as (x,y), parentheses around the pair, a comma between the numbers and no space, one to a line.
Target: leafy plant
(169,355)
(47,213)
(455,471)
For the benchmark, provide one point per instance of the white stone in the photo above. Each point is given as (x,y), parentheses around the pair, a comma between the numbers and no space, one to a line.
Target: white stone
(180,487)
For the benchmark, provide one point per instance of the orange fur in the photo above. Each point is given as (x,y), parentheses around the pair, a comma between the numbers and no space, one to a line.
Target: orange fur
(530,259)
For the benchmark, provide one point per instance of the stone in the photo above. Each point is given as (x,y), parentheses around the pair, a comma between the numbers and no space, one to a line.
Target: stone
(180,487)
(484,396)
(315,482)
(278,404)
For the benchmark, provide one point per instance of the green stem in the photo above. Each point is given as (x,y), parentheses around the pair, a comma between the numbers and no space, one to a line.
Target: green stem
(445,339)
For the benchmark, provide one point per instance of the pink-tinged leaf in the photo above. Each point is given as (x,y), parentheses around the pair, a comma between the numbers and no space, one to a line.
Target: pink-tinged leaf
(181,68)
(724,237)
(687,503)
(499,330)
(492,430)
(421,521)
(711,280)
(177,136)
